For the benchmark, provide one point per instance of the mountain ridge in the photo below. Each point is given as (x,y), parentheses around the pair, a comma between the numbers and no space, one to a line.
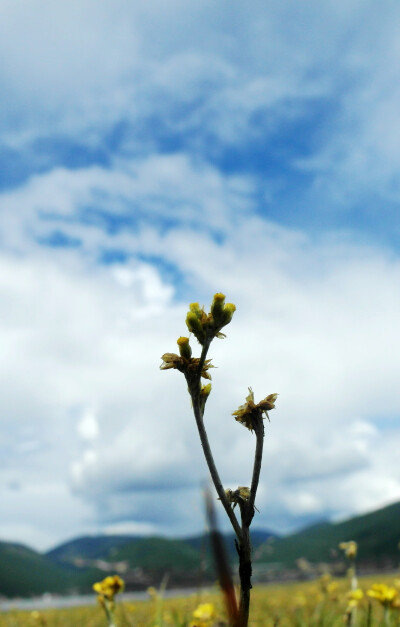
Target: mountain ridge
(73,566)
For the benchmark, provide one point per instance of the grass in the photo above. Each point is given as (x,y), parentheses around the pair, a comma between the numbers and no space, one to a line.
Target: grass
(307,604)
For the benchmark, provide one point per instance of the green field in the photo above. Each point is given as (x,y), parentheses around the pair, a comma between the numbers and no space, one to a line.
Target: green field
(321,603)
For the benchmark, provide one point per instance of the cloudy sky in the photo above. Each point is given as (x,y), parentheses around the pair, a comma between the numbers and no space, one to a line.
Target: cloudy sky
(152,154)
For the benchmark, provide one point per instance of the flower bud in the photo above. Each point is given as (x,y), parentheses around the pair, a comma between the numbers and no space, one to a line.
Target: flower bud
(184,347)
(205,390)
(227,313)
(196,309)
(194,325)
(217,307)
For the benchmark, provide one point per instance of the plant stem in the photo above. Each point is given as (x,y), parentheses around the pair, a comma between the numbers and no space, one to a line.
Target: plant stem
(194,389)
(259,431)
(243,542)
(247,513)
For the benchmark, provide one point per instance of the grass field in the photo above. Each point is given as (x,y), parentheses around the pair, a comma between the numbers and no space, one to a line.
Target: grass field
(322,603)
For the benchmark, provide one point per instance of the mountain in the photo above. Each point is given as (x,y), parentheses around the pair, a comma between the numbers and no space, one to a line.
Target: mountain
(89,548)
(143,552)
(202,542)
(26,572)
(143,561)
(377,535)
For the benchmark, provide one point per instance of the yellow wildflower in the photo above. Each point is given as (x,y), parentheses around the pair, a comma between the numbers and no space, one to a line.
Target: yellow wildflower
(349,548)
(355,596)
(109,587)
(203,615)
(386,595)
(250,410)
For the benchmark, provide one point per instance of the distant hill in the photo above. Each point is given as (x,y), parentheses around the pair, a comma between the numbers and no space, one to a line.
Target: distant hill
(142,561)
(89,547)
(377,535)
(144,552)
(202,543)
(26,572)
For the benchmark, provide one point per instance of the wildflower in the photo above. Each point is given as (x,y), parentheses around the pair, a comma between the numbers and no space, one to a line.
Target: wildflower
(203,615)
(354,597)
(349,548)
(386,595)
(109,587)
(249,411)
(106,590)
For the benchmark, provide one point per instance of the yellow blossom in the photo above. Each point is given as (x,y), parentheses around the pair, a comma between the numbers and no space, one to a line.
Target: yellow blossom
(355,595)
(203,615)
(109,587)
(386,595)
(250,410)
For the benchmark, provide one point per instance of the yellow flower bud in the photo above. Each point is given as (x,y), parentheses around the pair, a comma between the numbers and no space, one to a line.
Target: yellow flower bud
(184,347)
(205,390)
(227,313)
(196,309)
(217,307)
(194,325)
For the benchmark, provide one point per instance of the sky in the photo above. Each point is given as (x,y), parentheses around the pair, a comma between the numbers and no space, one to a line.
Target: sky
(151,155)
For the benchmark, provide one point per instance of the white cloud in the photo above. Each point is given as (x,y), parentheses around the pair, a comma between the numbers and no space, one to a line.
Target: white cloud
(88,427)
(78,335)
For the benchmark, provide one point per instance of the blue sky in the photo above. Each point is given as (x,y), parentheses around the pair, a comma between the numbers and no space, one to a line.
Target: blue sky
(150,156)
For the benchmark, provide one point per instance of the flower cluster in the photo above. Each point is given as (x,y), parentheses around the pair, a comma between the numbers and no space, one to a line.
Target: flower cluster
(207,326)
(250,411)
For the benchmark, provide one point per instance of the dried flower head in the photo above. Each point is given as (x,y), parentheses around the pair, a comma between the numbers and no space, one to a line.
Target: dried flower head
(249,411)
(184,364)
(240,495)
